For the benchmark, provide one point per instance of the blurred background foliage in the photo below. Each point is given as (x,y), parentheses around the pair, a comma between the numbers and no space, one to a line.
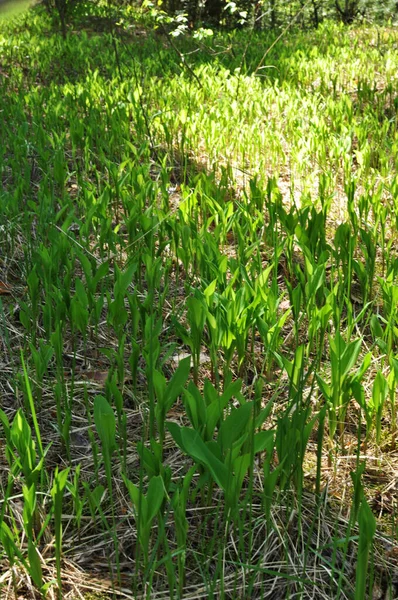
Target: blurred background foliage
(187,15)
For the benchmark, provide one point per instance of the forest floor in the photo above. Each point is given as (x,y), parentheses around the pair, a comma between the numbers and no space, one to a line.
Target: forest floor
(198,312)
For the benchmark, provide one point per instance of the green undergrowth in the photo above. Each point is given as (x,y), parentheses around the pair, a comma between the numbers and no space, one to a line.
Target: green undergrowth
(198,311)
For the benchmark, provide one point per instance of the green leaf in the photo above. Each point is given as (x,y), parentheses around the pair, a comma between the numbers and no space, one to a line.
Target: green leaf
(81,292)
(214,413)
(29,506)
(192,444)
(100,273)
(177,382)
(240,467)
(196,448)
(210,393)
(216,404)
(7,432)
(79,312)
(350,356)
(138,499)
(21,437)
(269,484)
(379,391)
(209,291)
(35,569)
(154,497)
(262,440)
(379,396)
(367,530)
(196,314)
(325,388)
(150,462)
(376,328)
(175,431)
(263,414)
(196,409)
(7,541)
(94,497)
(160,384)
(123,280)
(234,425)
(57,492)
(105,423)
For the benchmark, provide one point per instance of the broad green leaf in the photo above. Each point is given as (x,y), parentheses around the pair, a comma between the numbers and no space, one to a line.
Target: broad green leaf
(367,530)
(193,445)
(294,367)
(264,414)
(375,327)
(57,492)
(209,291)
(100,273)
(209,392)
(154,497)
(214,414)
(394,363)
(240,468)
(262,440)
(379,391)
(160,385)
(215,449)
(234,425)
(269,484)
(196,314)
(7,433)
(175,431)
(6,425)
(364,366)
(177,382)
(350,356)
(325,388)
(235,451)
(124,279)
(149,461)
(180,519)
(138,499)
(217,404)
(35,569)
(233,390)
(105,423)
(81,292)
(60,479)
(7,541)
(79,314)
(29,506)
(379,396)
(192,410)
(94,497)
(21,437)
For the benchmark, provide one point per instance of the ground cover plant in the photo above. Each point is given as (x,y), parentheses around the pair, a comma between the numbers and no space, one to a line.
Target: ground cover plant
(198,311)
